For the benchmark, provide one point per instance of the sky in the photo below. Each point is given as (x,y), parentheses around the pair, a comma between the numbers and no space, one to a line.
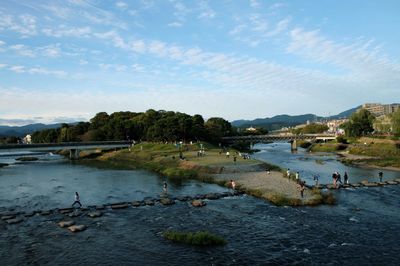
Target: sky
(66,60)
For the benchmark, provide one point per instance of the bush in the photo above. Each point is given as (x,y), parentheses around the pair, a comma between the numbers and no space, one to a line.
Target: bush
(342,140)
(200,238)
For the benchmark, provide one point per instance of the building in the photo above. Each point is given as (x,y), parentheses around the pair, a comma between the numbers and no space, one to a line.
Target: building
(334,125)
(378,109)
(251,129)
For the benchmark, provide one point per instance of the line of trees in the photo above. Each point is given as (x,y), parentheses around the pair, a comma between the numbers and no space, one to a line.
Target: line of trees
(150,126)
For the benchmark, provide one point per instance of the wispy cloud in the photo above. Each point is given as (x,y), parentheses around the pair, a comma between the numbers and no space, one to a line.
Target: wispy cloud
(20,69)
(175,24)
(22,50)
(206,12)
(64,31)
(23,24)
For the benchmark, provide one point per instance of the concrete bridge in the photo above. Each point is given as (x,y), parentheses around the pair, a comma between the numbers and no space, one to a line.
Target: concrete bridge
(73,147)
(292,138)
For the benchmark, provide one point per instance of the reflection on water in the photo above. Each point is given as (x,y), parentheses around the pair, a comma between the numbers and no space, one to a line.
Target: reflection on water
(310,164)
(52,181)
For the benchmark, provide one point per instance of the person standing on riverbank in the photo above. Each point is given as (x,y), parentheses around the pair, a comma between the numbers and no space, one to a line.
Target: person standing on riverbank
(288,173)
(316,178)
(297,176)
(233,184)
(380,176)
(346,178)
(302,187)
(77,201)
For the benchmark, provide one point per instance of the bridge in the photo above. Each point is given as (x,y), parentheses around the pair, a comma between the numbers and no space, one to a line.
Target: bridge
(292,138)
(73,147)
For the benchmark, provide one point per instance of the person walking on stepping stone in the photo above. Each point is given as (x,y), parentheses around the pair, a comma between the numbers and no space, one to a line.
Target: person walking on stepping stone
(77,200)
(165,187)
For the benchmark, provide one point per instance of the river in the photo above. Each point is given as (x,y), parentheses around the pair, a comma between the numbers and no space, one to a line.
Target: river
(363,229)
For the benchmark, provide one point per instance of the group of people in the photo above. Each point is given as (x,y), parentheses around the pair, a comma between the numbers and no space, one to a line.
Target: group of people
(337,178)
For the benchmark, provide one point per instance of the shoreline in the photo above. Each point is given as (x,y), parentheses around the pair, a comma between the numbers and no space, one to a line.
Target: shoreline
(358,160)
(250,175)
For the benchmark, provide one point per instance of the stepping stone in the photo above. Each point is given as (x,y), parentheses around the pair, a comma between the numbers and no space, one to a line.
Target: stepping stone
(167,201)
(213,196)
(14,220)
(65,210)
(149,202)
(372,184)
(390,182)
(364,182)
(100,207)
(198,203)
(77,228)
(29,214)
(136,203)
(45,213)
(182,198)
(95,214)
(75,214)
(65,223)
(357,185)
(7,217)
(381,183)
(330,186)
(200,196)
(119,206)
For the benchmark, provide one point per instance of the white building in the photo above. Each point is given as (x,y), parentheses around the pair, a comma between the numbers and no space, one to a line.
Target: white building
(27,139)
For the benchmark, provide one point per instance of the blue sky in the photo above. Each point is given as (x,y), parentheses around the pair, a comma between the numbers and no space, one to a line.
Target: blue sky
(67,60)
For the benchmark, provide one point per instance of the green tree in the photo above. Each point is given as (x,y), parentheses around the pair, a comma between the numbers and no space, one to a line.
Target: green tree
(396,123)
(217,128)
(359,124)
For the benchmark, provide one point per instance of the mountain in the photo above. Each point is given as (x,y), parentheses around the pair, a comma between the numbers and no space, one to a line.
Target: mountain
(280,121)
(22,131)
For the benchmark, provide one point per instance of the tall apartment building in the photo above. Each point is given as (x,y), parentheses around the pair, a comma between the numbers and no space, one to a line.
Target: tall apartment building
(378,109)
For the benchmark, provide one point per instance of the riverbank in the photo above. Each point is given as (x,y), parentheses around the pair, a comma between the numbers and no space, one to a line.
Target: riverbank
(214,166)
(365,152)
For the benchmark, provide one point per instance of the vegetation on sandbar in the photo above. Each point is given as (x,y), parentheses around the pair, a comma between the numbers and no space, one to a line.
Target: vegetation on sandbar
(200,238)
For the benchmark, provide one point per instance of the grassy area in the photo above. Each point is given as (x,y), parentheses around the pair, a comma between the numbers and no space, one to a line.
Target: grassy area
(200,238)
(327,147)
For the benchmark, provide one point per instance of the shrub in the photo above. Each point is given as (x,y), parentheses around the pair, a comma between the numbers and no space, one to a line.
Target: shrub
(200,238)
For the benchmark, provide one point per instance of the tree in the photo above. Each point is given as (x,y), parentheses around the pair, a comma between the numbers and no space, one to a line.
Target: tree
(396,123)
(359,124)
(217,128)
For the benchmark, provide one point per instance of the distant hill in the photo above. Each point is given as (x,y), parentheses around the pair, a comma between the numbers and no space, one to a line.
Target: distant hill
(280,121)
(22,131)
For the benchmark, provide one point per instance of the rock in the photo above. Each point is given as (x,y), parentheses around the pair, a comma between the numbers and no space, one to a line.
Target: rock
(330,186)
(198,203)
(213,196)
(167,201)
(95,214)
(372,184)
(391,182)
(182,198)
(200,196)
(29,214)
(100,207)
(381,183)
(306,250)
(136,203)
(45,213)
(149,202)
(65,223)
(364,182)
(357,185)
(75,214)
(14,220)
(65,210)
(77,228)
(7,217)
(119,206)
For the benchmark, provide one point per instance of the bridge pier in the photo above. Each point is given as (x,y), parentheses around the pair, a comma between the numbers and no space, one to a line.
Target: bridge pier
(74,154)
(293,145)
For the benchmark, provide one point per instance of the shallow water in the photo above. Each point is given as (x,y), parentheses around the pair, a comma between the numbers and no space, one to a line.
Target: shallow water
(363,229)
(323,164)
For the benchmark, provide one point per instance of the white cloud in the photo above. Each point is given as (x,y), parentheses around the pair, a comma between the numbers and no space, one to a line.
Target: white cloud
(115,67)
(50,50)
(175,24)
(17,69)
(121,5)
(64,31)
(277,6)
(36,70)
(23,24)
(23,50)
(255,4)
(206,12)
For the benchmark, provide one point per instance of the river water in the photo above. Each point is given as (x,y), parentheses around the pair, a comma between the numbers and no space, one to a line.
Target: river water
(363,229)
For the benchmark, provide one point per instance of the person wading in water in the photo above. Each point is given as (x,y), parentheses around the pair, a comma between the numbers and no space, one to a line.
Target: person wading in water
(77,201)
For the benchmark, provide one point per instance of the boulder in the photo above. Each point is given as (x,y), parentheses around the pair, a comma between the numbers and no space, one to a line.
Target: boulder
(65,223)
(14,220)
(77,228)
(7,217)
(119,206)
(65,210)
(149,202)
(372,184)
(198,203)
(136,203)
(213,196)
(95,214)
(167,201)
